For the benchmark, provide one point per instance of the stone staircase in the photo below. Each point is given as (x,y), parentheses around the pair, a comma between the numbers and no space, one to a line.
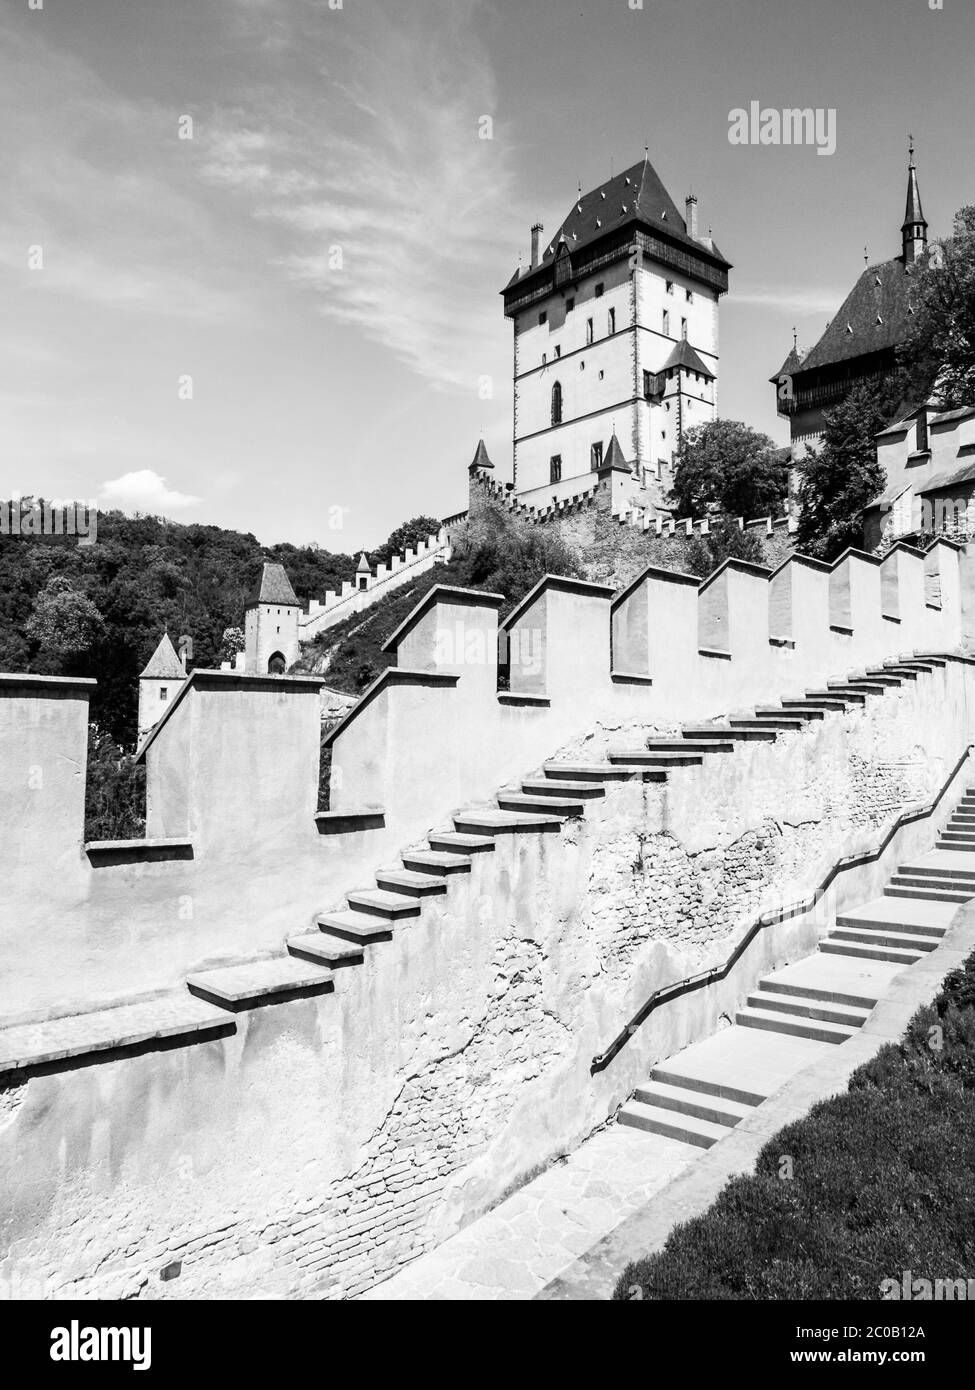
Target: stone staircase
(908,920)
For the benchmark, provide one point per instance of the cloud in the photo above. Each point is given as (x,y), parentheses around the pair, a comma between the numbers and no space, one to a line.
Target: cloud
(792,301)
(144,491)
(368,164)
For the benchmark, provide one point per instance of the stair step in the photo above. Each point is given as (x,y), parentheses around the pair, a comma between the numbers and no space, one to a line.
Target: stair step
(690,1130)
(885,936)
(696,1103)
(730,732)
(542,805)
(895,915)
(800,713)
(779,721)
(954,839)
(550,786)
(380,903)
(356,926)
(326,949)
(687,745)
(774,1022)
(832,947)
(848,696)
(504,823)
(603,772)
(720,1090)
(644,757)
(780,1001)
(451,842)
(929,871)
(408,881)
(900,673)
(881,678)
(864,687)
(262,981)
(859,1003)
(822,702)
(930,890)
(433,861)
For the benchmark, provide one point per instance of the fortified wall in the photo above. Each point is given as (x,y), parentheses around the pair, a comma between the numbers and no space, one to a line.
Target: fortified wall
(310,1136)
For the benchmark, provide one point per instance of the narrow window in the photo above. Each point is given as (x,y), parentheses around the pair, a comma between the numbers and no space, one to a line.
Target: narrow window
(589,330)
(596,455)
(599,290)
(570,304)
(666,324)
(690,296)
(683,328)
(557,403)
(646,385)
(612,320)
(670,287)
(558,350)
(163,694)
(543,317)
(555,468)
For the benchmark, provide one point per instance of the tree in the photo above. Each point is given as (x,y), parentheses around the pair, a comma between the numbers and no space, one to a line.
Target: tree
(940,354)
(63,621)
(405,537)
(842,477)
(231,643)
(727,466)
(723,541)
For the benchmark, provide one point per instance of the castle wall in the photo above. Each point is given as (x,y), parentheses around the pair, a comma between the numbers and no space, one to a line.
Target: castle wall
(332,1139)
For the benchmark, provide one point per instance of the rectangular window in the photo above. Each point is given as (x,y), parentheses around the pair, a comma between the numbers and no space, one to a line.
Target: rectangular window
(555,468)
(690,296)
(544,358)
(599,290)
(670,287)
(612,320)
(596,455)
(163,694)
(543,317)
(570,304)
(666,324)
(558,350)
(589,330)
(646,385)
(683,328)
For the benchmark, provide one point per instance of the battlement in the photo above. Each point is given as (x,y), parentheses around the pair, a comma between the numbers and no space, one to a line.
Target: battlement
(367,589)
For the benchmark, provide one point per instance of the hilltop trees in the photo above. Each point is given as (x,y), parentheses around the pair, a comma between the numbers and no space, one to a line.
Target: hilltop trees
(726,466)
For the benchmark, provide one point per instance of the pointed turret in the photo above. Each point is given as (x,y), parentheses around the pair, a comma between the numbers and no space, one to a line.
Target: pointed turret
(914,233)
(480,459)
(615,458)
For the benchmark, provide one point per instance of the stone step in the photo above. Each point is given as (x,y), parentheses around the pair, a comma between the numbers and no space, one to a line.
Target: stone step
(956,839)
(551,786)
(727,731)
(930,658)
(410,882)
(831,946)
(863,687)
(885,936)
(604,772)
(774,1022)
(433,861)
(822,703)
(800,713)
(687,745)
(881,678)
(963,820)
(167,1018)
(943,865)
(259,982)
(782,720)
(451,842)
(504,823)
(377,902)
(326,949)
(643,757)
(356,926)
(931,890)
(848,696)
(897,673)
(913,915)
(671,1075)
(542,805)
(825,1010)
(847,994)
(690,1130)
(696,1103)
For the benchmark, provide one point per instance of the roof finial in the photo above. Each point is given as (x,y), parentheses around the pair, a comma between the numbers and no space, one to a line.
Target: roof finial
(866,256)
(911,142)
(795,338)
(646,149)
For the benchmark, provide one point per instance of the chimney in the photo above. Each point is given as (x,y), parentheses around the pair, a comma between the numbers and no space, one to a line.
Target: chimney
(536,233)
(690,215)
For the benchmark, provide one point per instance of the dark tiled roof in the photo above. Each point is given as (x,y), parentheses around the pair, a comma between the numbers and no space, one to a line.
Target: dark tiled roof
(635,195)
(274,587)
(480,459)
(615,457)
(914,214)
(874,316)
(949,477)
(791,365)
(164,664)
(684,355)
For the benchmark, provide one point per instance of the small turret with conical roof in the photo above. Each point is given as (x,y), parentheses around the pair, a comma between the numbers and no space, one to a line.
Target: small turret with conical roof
(161,678)
(914,233)
(480,459)
(271,623)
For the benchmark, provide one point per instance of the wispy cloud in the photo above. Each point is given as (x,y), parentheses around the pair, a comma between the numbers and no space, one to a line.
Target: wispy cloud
(792,301)
(144,491)
(387,198)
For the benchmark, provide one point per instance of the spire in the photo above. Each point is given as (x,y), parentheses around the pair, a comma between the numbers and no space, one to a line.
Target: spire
(164,664)
(914,233)
(363,566)
(614,457)
(480,459)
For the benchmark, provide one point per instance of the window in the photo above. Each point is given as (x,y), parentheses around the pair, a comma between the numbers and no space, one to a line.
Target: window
(666,324)
(570,304)
(596,455)
(683,328)
(163,694)
(601,375)
(670,287)
(690,296)
(589,330)
(599,290)
(558,350)
(582,365)
(555,468)
(612,321)
(544,358)
(557,403)
(922,432)
(543,317)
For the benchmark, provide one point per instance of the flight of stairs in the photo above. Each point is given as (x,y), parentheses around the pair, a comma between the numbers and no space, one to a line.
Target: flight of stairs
(538,805)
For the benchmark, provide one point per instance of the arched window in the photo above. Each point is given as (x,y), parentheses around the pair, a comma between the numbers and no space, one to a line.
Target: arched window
(277,665)
(557,403)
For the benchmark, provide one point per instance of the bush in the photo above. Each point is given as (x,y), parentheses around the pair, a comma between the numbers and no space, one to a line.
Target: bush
(115,791)
(883,1180)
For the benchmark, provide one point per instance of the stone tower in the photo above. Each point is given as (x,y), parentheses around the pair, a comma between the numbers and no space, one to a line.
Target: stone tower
(271,624)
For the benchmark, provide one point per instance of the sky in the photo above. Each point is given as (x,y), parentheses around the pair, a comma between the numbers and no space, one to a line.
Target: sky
(251,250)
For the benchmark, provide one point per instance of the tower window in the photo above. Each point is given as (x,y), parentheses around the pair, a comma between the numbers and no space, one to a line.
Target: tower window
(670,287)
(596,455)
(666,324)
(570,304)
(163,693)
(599,290)
(612,321)
(690,296)
(555,468)
(544,358)
(589,330)
(557,403)
(543,317)
(558,350)
(683,328)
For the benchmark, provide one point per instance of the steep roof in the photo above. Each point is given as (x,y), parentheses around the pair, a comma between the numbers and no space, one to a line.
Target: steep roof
(914,216)
(875,315)
(363,566)
(164,664)
(684,355)
(274,586)
(635,195)
(615,457)
(792,364)
(480,459)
